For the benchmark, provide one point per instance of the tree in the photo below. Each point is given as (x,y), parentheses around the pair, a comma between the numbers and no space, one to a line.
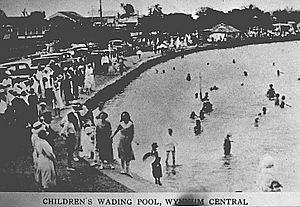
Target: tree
(129,10)
(2,23)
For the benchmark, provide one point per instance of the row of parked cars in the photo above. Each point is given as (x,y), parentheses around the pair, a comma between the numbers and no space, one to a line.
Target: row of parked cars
(24,69)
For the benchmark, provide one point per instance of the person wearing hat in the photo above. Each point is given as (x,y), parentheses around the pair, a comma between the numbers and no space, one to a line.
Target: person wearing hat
(36,128)
(45,166)
(103,140)
(42,109)
(227,144)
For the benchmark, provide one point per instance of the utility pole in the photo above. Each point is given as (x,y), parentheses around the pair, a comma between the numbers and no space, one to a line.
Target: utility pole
(100,11)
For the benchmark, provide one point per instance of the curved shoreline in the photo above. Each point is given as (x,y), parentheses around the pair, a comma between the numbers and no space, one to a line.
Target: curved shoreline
(117,85)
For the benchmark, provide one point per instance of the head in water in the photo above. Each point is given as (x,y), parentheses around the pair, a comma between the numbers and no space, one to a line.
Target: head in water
(170,131)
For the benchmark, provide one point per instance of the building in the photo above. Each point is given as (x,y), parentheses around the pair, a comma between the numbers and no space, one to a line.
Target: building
(33,26)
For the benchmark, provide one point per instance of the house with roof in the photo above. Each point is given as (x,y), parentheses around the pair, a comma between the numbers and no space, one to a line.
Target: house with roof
(222,32)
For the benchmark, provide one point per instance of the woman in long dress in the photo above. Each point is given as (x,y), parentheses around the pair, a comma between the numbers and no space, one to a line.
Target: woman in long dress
(36,128)
(125,151)
(58,102)
(89,79)
(45,172)
(104,142)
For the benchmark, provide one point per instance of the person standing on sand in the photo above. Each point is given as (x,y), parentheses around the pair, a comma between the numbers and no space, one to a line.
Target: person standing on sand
(45,172)
(125,151)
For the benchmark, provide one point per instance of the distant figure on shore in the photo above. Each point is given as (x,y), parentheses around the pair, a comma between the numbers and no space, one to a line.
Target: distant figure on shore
(278,73)
(245,73)
(173,68)
(163,71)
(271,92)
(264,109)
(273,63)
(267,179)
(196,95)
(188,77)
(233,61)
(227,144)
(139,53)
(197,128)
(277,99)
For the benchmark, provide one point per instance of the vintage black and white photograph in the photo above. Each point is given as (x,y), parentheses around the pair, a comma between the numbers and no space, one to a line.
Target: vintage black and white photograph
(125,96)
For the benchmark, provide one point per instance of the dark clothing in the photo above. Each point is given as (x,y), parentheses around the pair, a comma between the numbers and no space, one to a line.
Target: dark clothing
(227,146)
(70,144)
(282,104)
(66,87)
(104,142)
(277,102)
(156,170)
(33,110)
(271,93)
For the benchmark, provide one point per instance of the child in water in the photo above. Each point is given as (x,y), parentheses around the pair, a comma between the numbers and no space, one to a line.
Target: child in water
(282,104)
(156,170)
(277,99)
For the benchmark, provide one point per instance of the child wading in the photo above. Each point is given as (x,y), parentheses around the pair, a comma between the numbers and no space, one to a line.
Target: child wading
(156,166)
(170,146)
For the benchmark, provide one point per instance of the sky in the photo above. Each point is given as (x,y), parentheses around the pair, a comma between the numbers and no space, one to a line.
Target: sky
(85,7)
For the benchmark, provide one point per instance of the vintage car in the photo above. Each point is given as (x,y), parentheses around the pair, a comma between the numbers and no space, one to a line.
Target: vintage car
(17,70)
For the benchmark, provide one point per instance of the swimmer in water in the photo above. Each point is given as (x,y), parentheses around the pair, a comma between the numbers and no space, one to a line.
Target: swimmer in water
(271,92)
(264,109)
(188,77)
(197,128)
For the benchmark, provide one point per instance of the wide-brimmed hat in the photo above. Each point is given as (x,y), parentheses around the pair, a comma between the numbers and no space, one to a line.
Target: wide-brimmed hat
(42,104)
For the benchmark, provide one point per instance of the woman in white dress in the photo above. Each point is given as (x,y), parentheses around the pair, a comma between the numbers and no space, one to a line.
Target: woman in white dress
(45,173)
(58,102)
(89,80)
(88,140)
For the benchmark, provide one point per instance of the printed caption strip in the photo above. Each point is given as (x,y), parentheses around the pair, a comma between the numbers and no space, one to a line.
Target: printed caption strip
(148,199)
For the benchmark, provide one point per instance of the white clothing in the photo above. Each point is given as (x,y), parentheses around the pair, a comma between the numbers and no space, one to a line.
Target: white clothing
(170,143)
(45,172)
(88,141)
(89,80)
(104,60)
(58,99)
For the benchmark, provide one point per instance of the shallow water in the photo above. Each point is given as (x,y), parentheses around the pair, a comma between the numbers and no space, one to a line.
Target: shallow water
(159,101)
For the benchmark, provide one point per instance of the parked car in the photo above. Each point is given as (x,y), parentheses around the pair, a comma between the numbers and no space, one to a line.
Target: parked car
(18,70)
(43,61)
